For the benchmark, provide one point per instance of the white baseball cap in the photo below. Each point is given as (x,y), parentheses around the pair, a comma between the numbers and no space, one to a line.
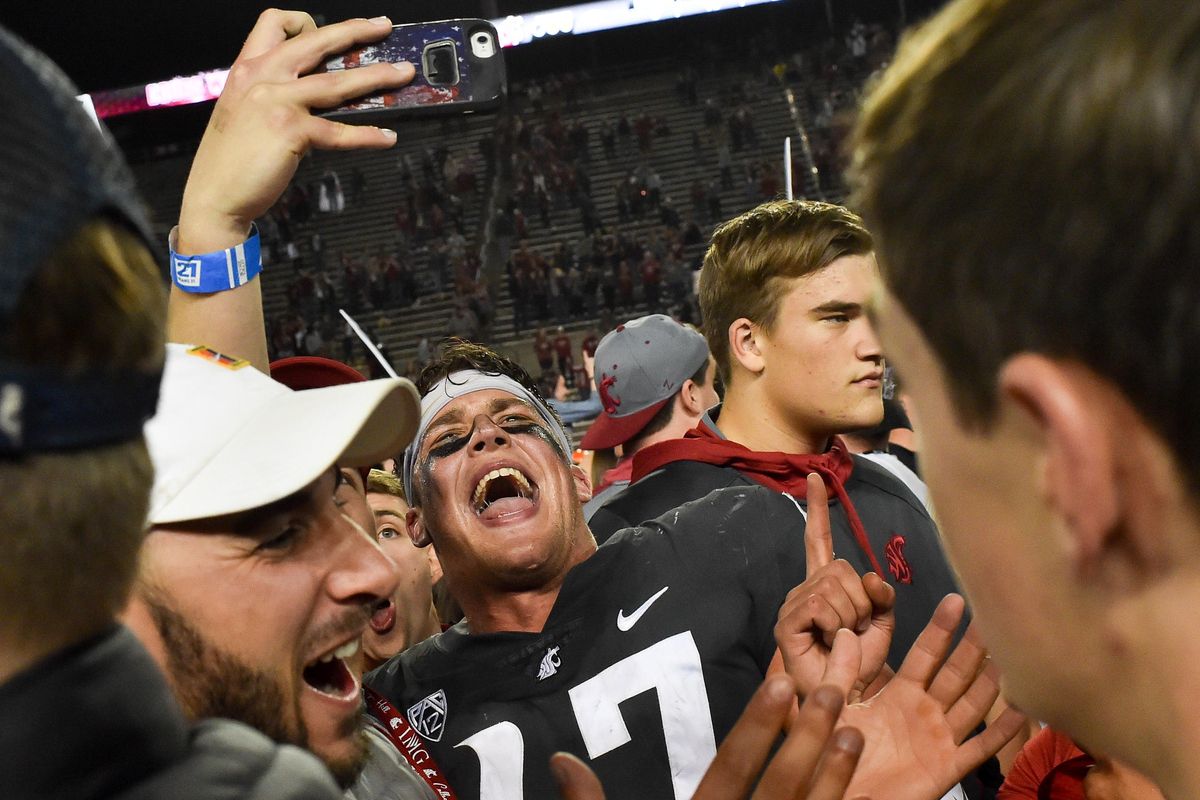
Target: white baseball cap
(227,438)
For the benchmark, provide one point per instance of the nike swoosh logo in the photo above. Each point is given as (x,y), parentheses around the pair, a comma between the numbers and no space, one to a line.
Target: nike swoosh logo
(624,623)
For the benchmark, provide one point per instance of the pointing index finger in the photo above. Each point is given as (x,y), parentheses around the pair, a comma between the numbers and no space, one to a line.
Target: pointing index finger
(928,652)
(818,538)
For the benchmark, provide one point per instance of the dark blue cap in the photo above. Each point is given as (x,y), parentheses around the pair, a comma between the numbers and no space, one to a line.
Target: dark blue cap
(58,171)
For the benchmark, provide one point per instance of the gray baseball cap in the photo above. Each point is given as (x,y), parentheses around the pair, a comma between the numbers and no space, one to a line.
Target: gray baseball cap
(639,367)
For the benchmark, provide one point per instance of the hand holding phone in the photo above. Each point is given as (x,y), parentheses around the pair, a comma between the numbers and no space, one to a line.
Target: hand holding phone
(262,125)
(260,129)
(459,64)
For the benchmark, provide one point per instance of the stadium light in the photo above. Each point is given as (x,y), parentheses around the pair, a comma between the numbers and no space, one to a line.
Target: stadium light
(514,30)
(605,15)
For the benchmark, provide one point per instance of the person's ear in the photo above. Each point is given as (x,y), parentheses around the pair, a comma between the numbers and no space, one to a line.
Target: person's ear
(435,564)
(1077,477)
(415,526)
(743,345)
(689,398)
(583,484)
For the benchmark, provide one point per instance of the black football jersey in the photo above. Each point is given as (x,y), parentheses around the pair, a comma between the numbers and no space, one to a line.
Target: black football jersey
(647,659)
(901,533)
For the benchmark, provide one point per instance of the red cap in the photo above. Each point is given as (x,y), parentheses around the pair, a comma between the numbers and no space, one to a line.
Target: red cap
(609,431)
(313,372)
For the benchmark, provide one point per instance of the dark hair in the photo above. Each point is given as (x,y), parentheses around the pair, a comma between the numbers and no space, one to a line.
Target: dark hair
(1032,174)
(664,415)
(459,354)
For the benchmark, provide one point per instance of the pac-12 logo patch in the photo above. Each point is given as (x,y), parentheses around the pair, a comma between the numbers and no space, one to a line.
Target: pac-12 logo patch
(428,716)
(187,271)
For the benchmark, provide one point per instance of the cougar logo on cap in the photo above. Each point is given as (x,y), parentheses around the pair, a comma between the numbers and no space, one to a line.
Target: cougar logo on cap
(610,402)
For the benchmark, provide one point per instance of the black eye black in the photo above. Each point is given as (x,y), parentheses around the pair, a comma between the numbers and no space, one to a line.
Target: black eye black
(446,444)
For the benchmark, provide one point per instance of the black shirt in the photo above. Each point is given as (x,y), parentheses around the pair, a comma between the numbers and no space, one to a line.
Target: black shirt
(648,657)
(902,535)
(97,720)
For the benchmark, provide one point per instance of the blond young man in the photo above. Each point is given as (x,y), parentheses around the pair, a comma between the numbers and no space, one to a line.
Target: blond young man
(408,616)
(783,291)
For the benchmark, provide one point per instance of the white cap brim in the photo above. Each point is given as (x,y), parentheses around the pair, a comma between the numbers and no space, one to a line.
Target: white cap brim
(289,441)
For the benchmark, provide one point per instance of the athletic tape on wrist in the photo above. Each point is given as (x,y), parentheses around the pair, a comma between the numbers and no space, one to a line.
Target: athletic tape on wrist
(215,272)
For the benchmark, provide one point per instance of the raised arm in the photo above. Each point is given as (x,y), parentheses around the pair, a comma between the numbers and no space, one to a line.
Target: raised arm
(259,130)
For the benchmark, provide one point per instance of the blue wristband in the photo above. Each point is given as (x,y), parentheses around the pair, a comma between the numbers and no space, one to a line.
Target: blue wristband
(216,272)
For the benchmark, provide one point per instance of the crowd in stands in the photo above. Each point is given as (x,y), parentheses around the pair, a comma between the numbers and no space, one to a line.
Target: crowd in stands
(576,250)
(286,581)
(639,248)
(829,76)
(602,274)
(427,253)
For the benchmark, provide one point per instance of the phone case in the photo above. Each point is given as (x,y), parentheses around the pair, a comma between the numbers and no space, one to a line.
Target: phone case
(479,86)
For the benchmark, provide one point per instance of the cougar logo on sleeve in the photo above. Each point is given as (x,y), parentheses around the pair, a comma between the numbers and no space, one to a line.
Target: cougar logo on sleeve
(897,564)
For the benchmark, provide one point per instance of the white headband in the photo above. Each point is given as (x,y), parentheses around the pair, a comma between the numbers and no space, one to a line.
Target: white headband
(463,382)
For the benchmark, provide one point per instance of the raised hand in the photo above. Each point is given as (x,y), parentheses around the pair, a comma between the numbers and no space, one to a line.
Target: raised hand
(917,727)
(261,126)
(833,596)
(259,130)
(815,761)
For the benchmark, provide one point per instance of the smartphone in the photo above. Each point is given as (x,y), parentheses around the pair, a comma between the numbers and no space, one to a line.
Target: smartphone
(459,63)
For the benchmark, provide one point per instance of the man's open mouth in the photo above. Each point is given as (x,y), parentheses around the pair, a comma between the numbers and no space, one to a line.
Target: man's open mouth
(329,674)
(383,616)
(503,491)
